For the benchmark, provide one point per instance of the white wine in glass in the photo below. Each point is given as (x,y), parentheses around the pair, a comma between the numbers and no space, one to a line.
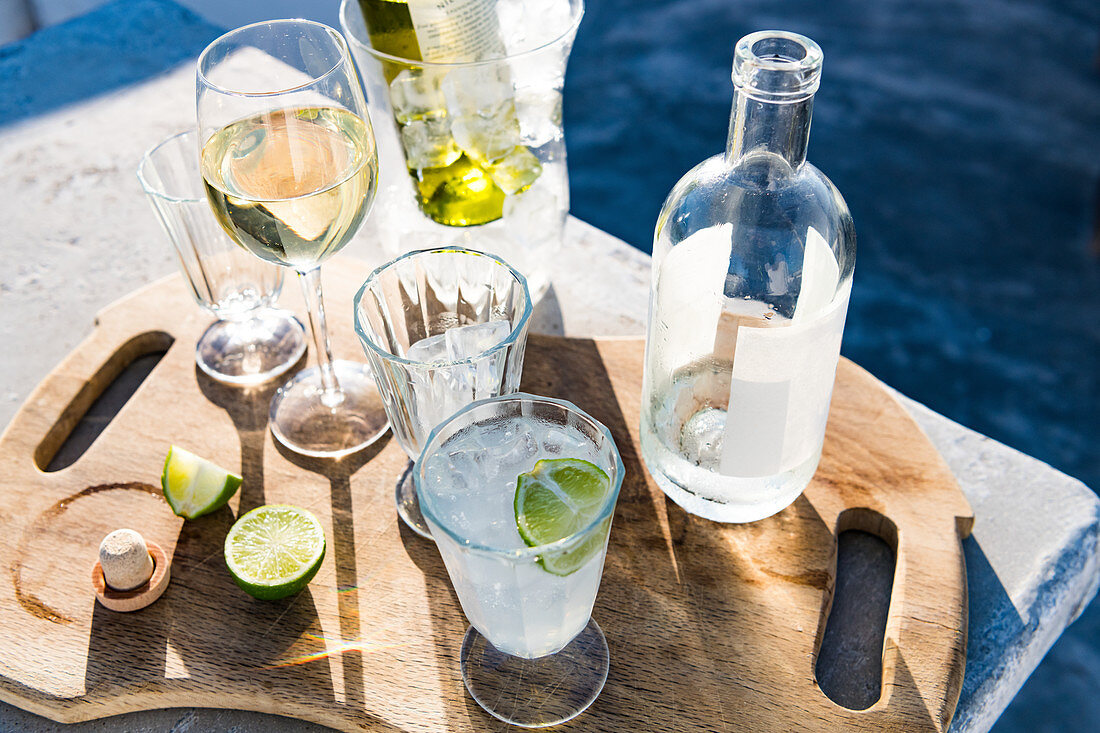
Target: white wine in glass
(290,166)
(291,184)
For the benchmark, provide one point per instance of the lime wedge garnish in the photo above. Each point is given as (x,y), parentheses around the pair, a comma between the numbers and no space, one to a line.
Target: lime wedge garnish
(194,486)
(274,551)
(557,498)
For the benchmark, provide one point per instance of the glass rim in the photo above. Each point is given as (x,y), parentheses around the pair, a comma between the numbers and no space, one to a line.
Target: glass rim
(382,56)
(341,44)
(508,341)
(147,158)
(607,509)
(745,58)
(814,54)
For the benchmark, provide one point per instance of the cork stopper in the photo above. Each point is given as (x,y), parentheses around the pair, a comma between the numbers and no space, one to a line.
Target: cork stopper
(125,560)
(130,573)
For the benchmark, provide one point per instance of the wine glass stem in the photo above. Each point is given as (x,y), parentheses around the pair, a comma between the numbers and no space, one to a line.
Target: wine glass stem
(331,395)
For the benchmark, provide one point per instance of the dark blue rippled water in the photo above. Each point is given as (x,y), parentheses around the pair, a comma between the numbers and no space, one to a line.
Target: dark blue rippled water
(965,136)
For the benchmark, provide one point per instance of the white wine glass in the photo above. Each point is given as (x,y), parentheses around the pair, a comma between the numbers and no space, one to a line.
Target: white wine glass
(290,166)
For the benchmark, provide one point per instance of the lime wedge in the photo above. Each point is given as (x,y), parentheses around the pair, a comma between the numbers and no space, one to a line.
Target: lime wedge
(194,486)
(557,498)
(274,550)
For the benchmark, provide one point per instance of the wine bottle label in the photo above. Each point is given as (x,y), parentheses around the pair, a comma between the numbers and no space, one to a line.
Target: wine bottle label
(782,381)
(687,298)
(456,30)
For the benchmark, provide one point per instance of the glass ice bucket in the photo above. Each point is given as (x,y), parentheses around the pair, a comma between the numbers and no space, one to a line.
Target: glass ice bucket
(473,155)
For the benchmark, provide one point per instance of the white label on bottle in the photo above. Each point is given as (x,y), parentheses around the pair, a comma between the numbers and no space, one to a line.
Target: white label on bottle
(781,385)
(456,30)
(820,276)
(689,298)
(755,427)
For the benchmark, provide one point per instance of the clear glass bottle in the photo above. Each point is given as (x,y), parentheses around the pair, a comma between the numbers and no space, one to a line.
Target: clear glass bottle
(753,256)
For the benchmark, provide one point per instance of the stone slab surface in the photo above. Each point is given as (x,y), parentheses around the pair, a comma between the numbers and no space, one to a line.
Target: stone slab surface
(1032,562)
(77,234)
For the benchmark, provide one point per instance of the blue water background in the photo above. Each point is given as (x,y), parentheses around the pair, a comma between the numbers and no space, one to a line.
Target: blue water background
(965,136)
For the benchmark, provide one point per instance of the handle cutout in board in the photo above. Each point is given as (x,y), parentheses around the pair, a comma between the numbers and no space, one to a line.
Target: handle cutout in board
(849,665)
(101,398)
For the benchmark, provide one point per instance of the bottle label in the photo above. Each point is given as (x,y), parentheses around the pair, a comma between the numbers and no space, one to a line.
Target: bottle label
(456,30)
(687,298)
(780,390)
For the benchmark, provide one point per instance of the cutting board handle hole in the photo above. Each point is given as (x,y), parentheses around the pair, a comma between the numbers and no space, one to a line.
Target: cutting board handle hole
(850,659)
(90,412)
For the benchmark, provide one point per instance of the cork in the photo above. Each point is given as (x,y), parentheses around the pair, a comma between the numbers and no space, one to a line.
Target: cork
(136,598)
(125,560)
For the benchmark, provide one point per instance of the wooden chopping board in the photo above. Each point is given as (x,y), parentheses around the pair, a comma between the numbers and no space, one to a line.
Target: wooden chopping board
(711,627)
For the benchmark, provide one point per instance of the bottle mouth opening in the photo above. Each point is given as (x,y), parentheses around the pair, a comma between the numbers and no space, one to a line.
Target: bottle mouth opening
(777,66)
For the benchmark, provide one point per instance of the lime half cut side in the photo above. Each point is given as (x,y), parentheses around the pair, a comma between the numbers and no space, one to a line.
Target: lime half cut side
(274,550)
(557,498)
(194,486)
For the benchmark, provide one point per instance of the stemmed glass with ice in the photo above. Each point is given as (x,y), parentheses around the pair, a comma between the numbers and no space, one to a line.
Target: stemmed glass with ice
(519,492)
(441,329)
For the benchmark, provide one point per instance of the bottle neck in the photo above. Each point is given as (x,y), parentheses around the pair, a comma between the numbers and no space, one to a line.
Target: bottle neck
(780,128)
(775,76)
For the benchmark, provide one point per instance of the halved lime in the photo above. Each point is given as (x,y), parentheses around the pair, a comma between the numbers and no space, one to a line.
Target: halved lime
(557,498)
(194,486)
(274,550)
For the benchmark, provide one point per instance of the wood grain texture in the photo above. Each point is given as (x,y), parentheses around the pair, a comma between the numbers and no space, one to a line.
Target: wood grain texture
(711,627)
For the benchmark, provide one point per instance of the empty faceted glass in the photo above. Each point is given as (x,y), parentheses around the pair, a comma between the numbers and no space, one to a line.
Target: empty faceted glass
(251,341)
(441,328)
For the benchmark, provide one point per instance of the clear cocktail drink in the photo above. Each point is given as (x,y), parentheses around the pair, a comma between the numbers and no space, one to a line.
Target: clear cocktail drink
(494,480)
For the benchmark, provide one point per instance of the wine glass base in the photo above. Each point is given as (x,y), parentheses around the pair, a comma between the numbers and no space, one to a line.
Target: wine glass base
(536,693)
(302,422)
(251,351)
(408,504)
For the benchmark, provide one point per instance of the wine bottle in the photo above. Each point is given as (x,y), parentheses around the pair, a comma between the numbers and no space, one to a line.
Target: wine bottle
(440,31)
(753,256)
(457,125)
